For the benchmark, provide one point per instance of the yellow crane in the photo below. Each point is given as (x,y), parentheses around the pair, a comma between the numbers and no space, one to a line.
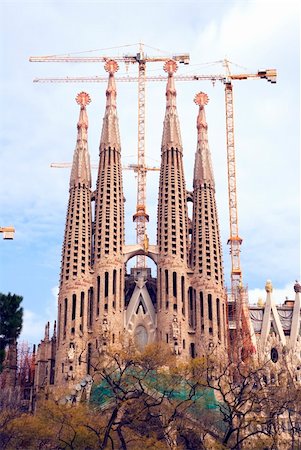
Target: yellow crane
(8,232)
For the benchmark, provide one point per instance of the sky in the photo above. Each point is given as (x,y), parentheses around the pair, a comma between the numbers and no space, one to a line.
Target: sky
(38,127)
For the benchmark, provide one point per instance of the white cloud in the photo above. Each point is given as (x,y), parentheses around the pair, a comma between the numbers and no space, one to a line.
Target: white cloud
(279,294)
(34,323)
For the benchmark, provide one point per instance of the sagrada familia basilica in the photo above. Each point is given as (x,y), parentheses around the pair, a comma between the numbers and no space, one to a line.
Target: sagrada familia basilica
(185,304)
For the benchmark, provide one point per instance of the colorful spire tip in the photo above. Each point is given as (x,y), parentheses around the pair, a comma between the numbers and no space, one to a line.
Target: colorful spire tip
(83,99)
(170,67)
(111,66)
(201,99)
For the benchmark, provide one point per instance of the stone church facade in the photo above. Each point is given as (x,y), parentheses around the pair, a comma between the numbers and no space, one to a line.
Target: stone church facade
(185,306)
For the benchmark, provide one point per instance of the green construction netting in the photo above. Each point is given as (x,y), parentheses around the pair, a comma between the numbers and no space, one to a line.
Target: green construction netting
(172,387)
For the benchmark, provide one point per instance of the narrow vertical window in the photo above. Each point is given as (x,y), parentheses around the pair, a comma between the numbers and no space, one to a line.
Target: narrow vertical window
(89,357)
(209,306)
(73,306)
(82,299)
(106,284)
(192,305)
(192,350)
(166,281)
(114,288)
(120,290)
(218,318)
(114,282)
(174,284)
(90,307)
(98,295)
(59,323)
(160,284)
(202,305)
(183,294)
(65,314)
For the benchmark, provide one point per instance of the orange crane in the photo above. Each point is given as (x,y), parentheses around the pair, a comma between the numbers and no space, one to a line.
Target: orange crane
(234,240)
(140,217)
(8,232)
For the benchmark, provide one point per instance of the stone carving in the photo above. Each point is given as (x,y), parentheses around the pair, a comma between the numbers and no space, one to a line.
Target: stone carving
(175,335)
(269,286)
(105,328)
(175,329)
(71,354)
(297,287)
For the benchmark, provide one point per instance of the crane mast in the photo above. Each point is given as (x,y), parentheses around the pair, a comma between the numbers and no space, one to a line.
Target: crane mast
(238,293)
(141,217)
(234,240)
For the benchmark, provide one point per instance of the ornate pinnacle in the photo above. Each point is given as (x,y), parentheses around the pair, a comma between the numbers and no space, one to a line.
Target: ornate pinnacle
(80,171)
(110,130)
(171,131)
(83,99)
(170,67)
(201,99)
(202,168)
(111,66)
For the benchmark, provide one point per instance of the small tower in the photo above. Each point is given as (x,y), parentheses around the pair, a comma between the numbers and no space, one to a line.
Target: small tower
(206,255)
(75,282)
(172,227)
(107,305)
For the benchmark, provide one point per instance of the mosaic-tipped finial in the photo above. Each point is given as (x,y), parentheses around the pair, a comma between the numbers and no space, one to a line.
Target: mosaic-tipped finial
(111,66)
(201,99)
(170,67)
(83,99)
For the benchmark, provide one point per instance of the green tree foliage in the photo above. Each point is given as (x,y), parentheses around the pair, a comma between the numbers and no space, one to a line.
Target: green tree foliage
(152,401)
(11,319)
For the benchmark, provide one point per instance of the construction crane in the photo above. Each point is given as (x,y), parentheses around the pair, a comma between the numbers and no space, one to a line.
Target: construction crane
(140,217)
(268,74)
(134,167)
(8,232)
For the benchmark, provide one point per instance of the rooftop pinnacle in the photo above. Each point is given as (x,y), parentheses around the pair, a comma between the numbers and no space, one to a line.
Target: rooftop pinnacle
(110,130)
(81,171)
(202,169)
(171,131)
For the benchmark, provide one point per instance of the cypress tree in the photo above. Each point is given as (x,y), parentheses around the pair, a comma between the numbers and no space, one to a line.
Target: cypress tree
(11,320)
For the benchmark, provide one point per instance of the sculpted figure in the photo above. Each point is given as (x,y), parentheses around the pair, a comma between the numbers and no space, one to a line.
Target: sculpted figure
(297,287)
(70,354)
(269,286)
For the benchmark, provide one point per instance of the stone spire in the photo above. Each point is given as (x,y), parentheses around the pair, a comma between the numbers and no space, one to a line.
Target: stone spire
(76,258)
(206,254)
(109,218)
(75,283)
(172,228)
